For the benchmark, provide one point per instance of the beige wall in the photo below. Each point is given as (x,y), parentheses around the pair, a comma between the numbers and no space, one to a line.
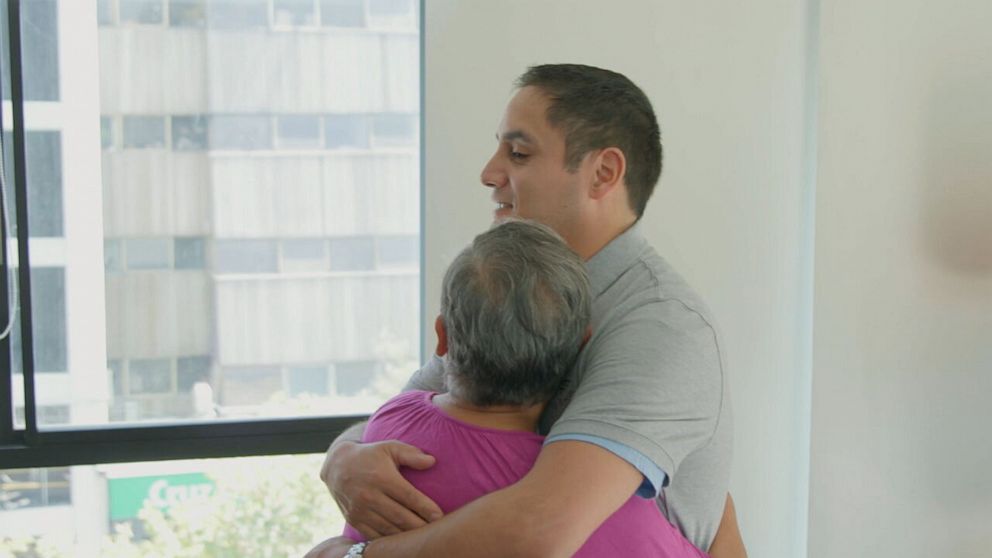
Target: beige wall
(727,81)
(901,456)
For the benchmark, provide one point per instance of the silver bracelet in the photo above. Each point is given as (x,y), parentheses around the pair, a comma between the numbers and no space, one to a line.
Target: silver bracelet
(357,550)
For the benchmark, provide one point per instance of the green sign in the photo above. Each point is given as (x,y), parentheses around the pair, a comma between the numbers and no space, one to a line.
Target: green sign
(129,495)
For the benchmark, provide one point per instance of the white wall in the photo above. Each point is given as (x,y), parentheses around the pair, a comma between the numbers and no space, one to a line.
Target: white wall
(901,452)
(727,81)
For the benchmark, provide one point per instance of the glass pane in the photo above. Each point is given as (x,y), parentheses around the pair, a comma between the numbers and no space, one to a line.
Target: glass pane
(190,253)
(342,13)
(298,131)
(144,131)
(39,51)
(394,129)
(311,380)
(246,256)
(399,251)
(294,12)
(148,253)
(256,225)
(167,508)
(105,12)
(238,14)
(106,132)
(240,132)
(392,13)
(187,13)
(48,322)
(352,254)
(141,11)
(347,130)
(189,133)
(150,376)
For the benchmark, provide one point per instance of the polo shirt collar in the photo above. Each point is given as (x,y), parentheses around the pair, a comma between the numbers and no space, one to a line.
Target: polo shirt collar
(609,263)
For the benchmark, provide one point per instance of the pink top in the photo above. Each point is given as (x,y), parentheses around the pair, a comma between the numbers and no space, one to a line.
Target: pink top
(473,461)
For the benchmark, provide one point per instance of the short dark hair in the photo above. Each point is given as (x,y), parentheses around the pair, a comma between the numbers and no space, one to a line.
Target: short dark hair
(597,108)
(515,305)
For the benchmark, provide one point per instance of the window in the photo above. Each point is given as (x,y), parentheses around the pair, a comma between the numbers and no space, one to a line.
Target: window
(298,131)
(147,253)
(190,253)
(352,254)
(294,12)
(342,13)
(259,241)
(141,11)
(150,375)
(394,130)
(246,256)
(238,14)
(347,130)
(240,132)
(187,13)
(144,132)
(189,133)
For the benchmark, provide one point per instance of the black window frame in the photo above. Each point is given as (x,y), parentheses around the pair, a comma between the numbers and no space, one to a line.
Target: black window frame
(66,446)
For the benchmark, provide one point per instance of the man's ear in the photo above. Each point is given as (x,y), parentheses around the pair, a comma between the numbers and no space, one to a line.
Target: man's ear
(585,337)
(442,337)
(610,168)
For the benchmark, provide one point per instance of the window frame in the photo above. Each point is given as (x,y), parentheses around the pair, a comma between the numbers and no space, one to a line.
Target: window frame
(153,441)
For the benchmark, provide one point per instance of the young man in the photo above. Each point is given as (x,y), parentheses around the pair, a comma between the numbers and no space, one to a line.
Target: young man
(645,409)
(515,308)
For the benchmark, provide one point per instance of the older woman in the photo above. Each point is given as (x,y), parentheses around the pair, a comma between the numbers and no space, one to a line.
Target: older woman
(515,312)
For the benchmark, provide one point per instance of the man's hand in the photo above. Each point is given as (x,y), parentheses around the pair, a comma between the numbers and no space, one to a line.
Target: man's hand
(335,547)
(376,500)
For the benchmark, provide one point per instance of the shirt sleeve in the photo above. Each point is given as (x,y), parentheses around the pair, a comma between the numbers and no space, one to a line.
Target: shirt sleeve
(430,377)
(654,477)
(651,382)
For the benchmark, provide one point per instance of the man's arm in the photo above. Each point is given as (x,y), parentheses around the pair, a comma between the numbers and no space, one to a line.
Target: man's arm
(365,482)
(728,542)
(572,489)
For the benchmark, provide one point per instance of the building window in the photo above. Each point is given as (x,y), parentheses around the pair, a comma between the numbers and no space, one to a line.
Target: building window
(190,253)
(394,130)
(240,132)
(398,251)
(346,130)
(298,131)
(294,13)
(342,13)
(192,370)
(354,377)
(149,376)
(189,133)
(246,256)
(148,253)
(352,254)
(187,13)
(237,14)
(312,380)
(144,132)
(141,11)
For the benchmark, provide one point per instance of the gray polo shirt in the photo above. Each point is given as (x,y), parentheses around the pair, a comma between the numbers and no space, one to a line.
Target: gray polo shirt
(649,386)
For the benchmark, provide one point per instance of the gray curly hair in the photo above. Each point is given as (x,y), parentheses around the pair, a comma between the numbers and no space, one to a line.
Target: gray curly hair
(515,304)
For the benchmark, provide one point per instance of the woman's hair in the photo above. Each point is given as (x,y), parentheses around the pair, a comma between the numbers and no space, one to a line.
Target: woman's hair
(515,305)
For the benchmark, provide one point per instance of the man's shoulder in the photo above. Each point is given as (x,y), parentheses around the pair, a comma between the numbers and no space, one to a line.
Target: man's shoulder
(650,287)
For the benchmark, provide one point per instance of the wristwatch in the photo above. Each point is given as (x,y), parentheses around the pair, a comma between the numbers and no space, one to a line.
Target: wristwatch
(356,551)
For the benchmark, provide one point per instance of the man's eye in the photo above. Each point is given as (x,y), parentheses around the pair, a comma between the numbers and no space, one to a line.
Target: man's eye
(518,155)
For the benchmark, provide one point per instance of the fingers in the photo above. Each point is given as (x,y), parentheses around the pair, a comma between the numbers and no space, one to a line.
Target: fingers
(414,502)
(391,520)
(409,456)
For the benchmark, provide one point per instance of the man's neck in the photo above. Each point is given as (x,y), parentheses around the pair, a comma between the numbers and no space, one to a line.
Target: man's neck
(499,417)
(592,237)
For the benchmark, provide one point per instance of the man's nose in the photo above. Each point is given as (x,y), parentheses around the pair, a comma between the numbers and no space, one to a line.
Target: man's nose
(492,176)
